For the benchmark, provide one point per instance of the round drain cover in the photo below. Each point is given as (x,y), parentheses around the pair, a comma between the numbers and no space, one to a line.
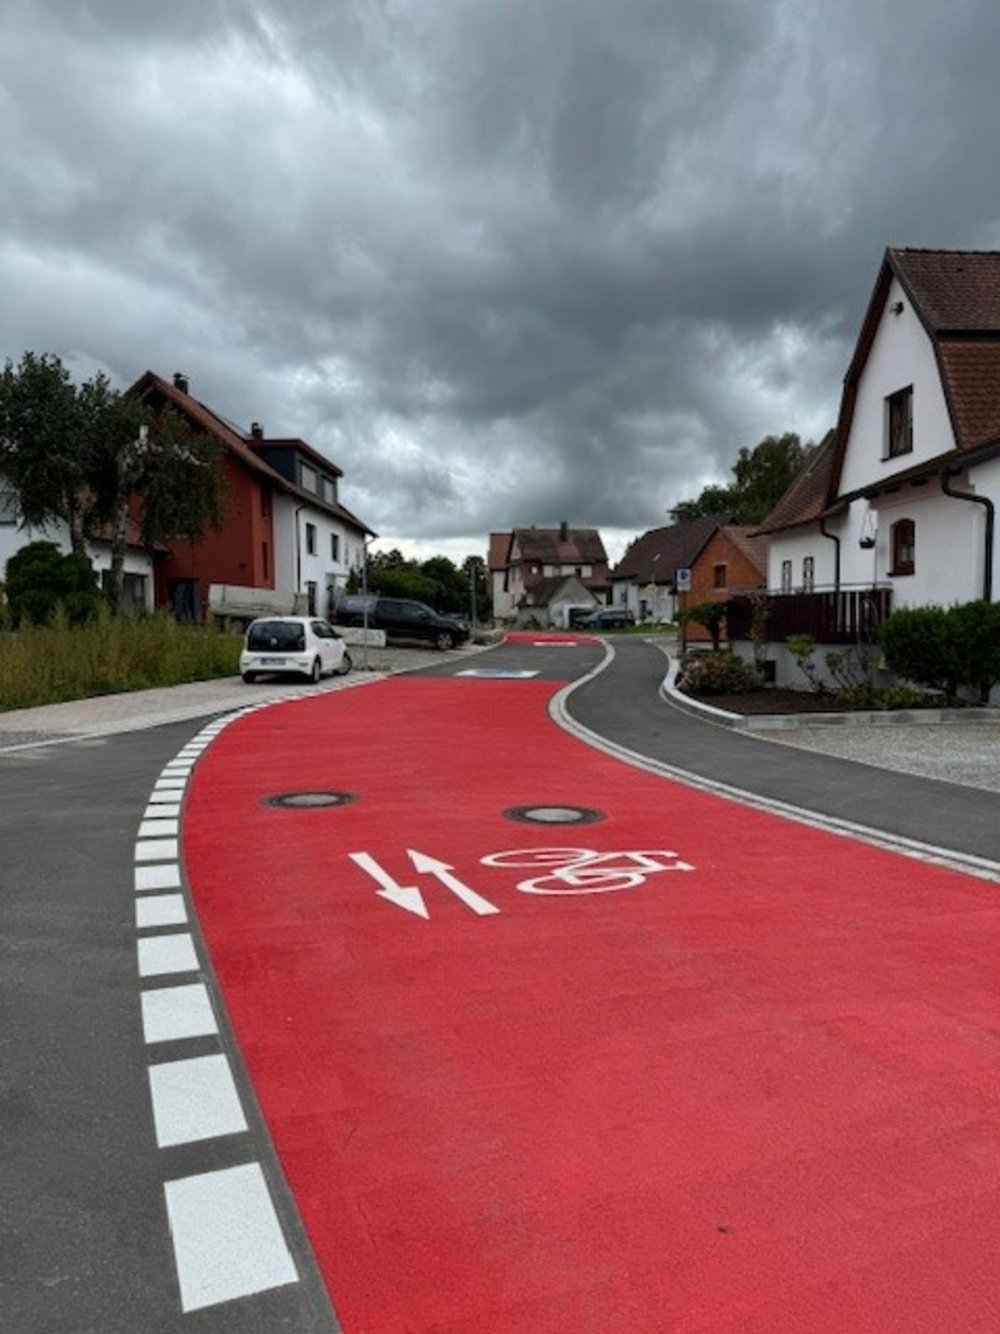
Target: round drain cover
(554,814)
(309,800)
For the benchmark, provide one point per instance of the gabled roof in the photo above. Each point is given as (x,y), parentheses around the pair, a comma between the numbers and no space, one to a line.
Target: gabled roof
(541,590)
(242,446)
(806,498)
(956,296)
(955,291)
(751,544)
(499,551)
(656,555)
(580,546)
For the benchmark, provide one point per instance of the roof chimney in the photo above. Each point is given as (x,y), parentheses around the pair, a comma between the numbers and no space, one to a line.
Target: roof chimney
(564,531)
(180,382)
(256,431)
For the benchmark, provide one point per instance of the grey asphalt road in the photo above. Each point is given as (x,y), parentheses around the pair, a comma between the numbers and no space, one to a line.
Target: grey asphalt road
(622,705)
(84,1245)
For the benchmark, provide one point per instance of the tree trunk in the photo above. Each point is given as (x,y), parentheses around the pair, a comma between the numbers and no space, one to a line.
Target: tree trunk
(116,577)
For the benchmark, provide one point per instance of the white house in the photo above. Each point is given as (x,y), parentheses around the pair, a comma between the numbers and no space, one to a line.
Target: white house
(528,567)
(138,582)
(900,499)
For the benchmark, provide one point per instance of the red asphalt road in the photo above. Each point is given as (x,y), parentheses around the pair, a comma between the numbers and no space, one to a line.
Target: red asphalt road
(757,1096)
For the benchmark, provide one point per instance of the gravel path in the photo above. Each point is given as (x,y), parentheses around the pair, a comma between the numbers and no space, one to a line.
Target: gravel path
(965,753)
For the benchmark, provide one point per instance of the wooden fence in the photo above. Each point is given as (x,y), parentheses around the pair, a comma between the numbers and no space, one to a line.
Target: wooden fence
(845,616)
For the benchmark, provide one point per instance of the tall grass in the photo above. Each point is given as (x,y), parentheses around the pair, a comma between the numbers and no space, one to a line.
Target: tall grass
(46,664)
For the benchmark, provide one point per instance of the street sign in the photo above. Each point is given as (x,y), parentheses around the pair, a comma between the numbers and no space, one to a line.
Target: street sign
(682,580)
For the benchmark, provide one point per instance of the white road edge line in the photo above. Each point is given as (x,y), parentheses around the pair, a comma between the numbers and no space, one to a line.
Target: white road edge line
(982,867)
(227,1238)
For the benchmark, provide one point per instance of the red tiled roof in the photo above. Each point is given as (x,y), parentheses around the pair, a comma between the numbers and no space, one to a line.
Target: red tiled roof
(971,372)
(955,291)
(806,498)
(499,548)
(751,543)
(240,445)
(656,555)
(581,546)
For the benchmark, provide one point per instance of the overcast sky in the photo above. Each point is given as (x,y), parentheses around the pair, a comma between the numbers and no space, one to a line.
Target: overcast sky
(505,261)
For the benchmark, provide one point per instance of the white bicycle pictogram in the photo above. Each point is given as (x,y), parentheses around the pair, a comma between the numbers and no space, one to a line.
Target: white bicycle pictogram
(586,871)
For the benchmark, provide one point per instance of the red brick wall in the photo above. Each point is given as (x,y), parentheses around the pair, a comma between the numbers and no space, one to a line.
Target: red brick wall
(741,576)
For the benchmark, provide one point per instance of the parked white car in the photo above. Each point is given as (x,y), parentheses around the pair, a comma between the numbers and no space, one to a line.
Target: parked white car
(305,645)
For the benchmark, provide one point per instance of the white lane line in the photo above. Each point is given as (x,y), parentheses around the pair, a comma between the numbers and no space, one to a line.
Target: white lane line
(169,1013)
(160,910)
(227,1239)
(170,785)
(171,796)
(163,810)
(194,1099)
(165,876)
(167,954)
(156,827)
(156,850)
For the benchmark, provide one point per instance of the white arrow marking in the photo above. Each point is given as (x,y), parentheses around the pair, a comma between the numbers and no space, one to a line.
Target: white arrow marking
(403,896)
(422,863)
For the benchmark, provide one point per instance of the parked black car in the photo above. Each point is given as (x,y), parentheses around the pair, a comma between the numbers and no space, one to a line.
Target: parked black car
(402,618)
(608,618)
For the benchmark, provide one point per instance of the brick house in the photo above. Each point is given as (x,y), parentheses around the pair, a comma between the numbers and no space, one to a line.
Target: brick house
(733,562)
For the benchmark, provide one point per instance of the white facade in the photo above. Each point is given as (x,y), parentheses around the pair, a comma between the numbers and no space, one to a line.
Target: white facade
(653,603)
(949,534)
(503,602)
(901,355)
(315,551)
(138,565)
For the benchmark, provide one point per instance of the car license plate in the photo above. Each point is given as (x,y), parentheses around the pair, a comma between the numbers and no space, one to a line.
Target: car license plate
(272,662)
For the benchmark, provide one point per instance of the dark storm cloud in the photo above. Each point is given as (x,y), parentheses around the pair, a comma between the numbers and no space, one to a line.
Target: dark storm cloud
(506,261)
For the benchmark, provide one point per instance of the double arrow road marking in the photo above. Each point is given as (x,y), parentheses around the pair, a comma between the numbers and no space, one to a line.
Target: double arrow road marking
(410,897)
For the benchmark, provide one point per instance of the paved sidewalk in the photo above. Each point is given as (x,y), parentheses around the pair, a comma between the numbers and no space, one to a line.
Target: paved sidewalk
(105,715)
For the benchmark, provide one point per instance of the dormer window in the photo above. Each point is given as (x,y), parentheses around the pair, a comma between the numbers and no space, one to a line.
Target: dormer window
(307,478)
(899,423)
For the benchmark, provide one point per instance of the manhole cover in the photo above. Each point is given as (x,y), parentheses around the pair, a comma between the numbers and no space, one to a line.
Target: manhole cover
(308,800)
(554,814)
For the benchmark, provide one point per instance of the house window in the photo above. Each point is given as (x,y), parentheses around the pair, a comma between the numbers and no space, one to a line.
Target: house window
(264,560)
(265,502)
(719,575)
(311,539)
(8,508)
(334,546)
(899,423)
(311,596)
(133,590)
(903,540)
(307,478)
(786,576)
(808,574)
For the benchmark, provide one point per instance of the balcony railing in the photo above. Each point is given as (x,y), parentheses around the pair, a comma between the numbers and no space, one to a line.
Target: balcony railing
(843,616)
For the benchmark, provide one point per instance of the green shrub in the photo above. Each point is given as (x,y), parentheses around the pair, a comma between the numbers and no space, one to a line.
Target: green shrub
(976,627)
(722,673)
(867,696)
(41,579)
(945,648)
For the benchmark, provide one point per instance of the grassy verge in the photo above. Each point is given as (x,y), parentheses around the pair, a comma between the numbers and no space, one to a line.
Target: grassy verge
(45,665)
